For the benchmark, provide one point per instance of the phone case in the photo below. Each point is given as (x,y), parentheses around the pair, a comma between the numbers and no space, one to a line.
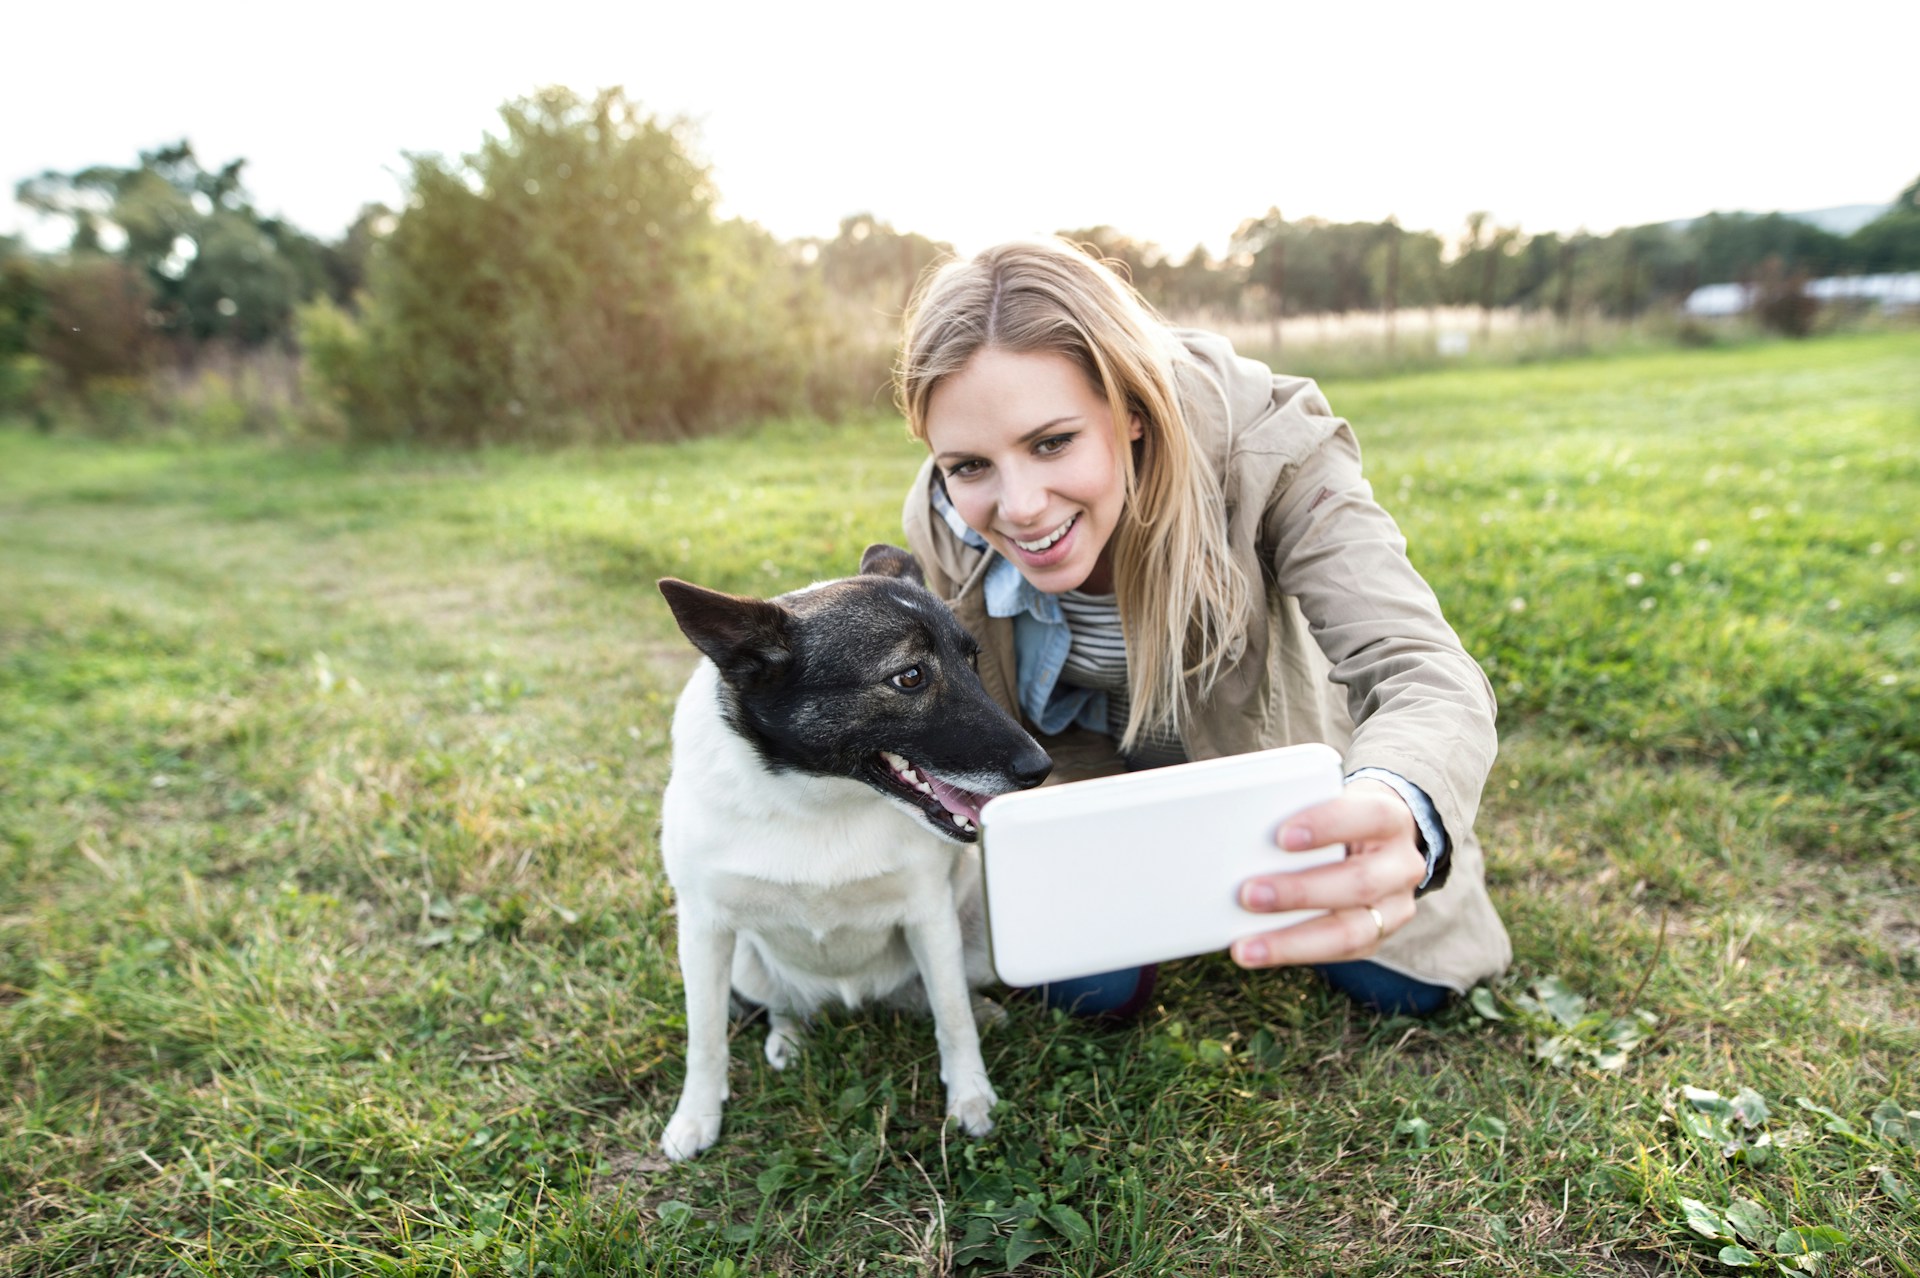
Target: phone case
(1093,876)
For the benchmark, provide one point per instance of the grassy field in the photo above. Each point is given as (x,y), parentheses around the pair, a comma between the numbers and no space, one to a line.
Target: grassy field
(333,938)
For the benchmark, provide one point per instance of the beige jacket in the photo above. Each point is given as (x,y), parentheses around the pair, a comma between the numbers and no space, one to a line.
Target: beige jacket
(1353,635)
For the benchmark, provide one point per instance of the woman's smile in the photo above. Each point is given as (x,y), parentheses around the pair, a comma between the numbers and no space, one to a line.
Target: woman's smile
(1054,548)
(1039,547)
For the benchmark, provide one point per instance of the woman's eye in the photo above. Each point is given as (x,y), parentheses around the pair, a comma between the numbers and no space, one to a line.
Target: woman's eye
(1052,444)
(910,678)
(965,469)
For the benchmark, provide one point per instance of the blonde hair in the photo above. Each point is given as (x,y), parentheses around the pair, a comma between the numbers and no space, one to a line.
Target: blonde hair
(1182,599)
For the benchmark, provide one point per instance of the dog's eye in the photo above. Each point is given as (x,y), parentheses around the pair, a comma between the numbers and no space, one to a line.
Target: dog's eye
(910,678)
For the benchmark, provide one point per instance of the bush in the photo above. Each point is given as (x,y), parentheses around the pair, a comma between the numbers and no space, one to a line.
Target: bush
(343,380)
(21,300)
(229,390)
(569,282)
(1780,299)
(21,304)
(93,330)
(22,388)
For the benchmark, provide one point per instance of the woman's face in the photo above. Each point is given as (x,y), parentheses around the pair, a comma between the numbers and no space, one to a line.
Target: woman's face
(1026,446)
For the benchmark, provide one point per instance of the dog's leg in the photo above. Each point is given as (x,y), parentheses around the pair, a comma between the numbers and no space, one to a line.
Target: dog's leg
(706,962)
(936,947)
(786,1035)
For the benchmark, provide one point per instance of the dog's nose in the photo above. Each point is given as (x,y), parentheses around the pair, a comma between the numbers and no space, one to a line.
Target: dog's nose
(1030,767)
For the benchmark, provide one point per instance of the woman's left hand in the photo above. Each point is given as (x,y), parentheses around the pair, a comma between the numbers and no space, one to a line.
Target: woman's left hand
(1368,896)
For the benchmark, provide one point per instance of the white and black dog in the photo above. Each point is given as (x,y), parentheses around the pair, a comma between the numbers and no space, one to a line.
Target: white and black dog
(830,758)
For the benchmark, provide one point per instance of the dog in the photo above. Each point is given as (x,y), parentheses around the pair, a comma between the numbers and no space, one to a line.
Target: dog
(830,759)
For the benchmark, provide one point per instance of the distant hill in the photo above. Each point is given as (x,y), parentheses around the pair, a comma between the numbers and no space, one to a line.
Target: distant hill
(1843,219)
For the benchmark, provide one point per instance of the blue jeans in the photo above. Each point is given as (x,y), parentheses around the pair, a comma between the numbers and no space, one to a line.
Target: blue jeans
(1124,993)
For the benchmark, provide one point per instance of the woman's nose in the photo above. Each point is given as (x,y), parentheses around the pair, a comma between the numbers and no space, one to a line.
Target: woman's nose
(1021,499)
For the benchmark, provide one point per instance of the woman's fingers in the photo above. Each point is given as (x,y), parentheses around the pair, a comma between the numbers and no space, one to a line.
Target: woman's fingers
(1368,811)
(1367,897)
(1358,881)
(1336,937)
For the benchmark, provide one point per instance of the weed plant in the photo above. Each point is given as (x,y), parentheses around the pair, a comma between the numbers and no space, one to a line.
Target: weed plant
(333,938)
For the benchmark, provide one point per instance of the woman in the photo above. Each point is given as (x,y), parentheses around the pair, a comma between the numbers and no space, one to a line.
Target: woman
(1168,552)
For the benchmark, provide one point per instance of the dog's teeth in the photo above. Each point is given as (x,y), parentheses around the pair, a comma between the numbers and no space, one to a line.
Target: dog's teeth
(894,761)
(962,822)
(924,788)
(910,776)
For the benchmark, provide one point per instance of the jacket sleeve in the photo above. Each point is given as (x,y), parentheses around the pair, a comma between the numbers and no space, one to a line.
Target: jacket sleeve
(1421,706)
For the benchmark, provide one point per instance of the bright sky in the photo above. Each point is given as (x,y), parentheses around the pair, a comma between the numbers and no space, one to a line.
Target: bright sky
(978,121)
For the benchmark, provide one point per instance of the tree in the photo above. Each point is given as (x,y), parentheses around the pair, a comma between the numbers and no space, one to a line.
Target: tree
(1140,262)
(568,280)
(1199,286)
(869,261)
(1422,267)
(1891,242)
(1729,247)
(1480,275)
(1566,274)
(346,260)
(1262,243)
(1535,270)
(217,268)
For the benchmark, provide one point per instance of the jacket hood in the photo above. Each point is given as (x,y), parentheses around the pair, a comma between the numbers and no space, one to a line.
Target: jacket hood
(949,563)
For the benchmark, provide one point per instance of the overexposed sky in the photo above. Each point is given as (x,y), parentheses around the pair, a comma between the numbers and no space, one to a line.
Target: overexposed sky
(974,122)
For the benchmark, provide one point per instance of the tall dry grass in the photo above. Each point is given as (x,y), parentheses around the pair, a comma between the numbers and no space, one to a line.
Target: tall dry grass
(1367,343)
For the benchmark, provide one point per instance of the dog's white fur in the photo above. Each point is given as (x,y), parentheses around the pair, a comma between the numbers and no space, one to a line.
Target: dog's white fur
(799,891)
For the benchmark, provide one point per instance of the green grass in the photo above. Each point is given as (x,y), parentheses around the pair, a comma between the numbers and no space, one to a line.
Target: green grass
(333,938)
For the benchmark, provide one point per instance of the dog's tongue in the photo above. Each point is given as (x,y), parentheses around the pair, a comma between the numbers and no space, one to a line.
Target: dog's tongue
(955,800)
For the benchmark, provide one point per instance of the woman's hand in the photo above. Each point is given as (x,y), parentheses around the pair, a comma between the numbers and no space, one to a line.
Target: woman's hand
(1369,895)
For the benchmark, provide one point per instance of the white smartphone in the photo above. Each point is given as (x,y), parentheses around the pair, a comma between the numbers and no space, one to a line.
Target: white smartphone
(1092,876)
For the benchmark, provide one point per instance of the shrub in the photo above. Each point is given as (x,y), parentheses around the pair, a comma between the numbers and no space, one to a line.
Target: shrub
(1780,299)
(93,328)
(568,281)
(21,304)
(228,390)
(343,380)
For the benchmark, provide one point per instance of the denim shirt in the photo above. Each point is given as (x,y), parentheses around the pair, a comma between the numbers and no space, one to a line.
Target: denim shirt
(1041,640)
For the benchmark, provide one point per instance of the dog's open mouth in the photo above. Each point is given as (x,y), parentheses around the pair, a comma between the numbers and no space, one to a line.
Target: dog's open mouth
(953,811)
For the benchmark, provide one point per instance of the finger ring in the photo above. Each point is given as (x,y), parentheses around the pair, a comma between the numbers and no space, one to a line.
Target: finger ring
(1378,922)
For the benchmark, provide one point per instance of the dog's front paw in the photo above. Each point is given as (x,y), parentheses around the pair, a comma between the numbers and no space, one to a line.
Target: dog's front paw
(973,1111)
(688,1134)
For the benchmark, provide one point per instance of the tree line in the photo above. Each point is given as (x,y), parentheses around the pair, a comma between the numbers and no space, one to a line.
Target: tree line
(571,280)
(1311,266)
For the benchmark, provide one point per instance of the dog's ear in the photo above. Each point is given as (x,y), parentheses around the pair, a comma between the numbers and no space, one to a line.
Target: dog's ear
(745,637)
(882,560)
